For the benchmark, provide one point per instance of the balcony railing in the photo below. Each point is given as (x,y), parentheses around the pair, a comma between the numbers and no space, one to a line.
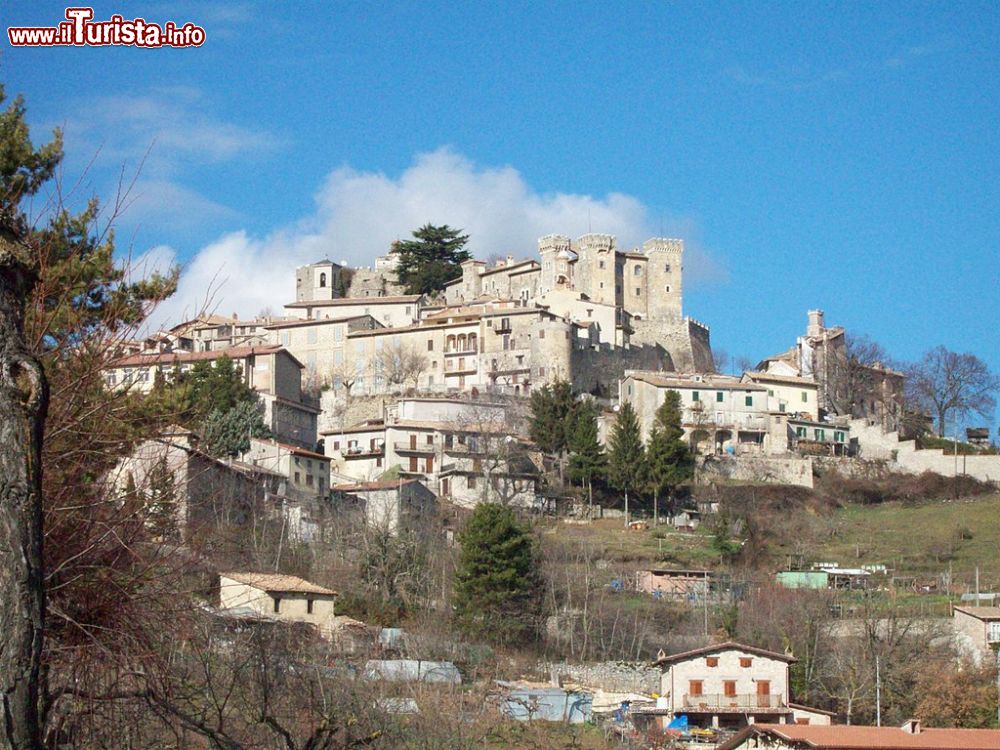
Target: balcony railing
(405,447)
(358,452)
(741,702)
(449,352)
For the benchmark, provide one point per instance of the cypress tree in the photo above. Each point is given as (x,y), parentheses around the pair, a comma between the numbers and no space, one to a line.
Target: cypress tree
(626,455)
(587,459)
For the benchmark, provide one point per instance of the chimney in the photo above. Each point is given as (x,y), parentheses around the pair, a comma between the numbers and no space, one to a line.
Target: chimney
(510,260)
(815,323)
(911,726)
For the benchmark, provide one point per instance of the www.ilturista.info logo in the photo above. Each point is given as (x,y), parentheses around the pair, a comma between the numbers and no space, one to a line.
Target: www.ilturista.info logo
(80,30)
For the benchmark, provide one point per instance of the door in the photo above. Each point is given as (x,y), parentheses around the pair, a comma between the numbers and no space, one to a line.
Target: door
(764,693)
(729,688)
(430,465)
(444,487)
(413,441)
(413,463)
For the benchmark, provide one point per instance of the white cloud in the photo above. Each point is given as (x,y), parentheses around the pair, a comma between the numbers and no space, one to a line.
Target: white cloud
(358,214)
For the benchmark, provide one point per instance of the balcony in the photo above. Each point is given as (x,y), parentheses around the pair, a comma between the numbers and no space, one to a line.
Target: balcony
(362,452)
(456,352)
(741,703)
(406,447)
(451,367)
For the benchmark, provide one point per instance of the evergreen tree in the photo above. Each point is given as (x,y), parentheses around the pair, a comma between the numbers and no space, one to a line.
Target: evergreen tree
(626,456)
(228,432)
(161,505)
(551,423)
(430,260)
(496,584)
(668,459)
(587,460)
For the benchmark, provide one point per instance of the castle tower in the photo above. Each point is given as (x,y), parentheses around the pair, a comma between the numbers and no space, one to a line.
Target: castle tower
(318,281)
(664,278)
(549,247)
(595,268)
(815,327)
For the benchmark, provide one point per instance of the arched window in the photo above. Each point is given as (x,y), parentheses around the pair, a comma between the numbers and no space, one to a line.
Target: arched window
(322,279)
(461,342)
(449,344)
(472,342)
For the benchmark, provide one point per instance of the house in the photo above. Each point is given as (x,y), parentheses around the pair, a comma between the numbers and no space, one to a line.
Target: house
(729,685)
(813,737)
(277,596)
(204,491)
(788,394)
(307,472)
(391,504)
(357,451)
(831,438)
(687,585)
(270,370)
(977,631)
(719,413)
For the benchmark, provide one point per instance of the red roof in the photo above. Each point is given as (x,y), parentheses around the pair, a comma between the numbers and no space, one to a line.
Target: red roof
(727,646)
(237,352)
(839,737)
(385,484)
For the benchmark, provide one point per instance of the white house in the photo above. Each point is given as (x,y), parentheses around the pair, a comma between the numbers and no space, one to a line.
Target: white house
(277,596)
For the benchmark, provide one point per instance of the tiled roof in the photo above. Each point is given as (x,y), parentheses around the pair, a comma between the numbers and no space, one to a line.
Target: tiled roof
(708,382)
(983,613)
(392,300)
(239,352)
(294,449)
(279,583)
(727,646)
(775,378)
(839,737)
(313,321)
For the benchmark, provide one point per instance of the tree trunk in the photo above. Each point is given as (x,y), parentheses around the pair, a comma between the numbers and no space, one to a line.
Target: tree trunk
(23,402)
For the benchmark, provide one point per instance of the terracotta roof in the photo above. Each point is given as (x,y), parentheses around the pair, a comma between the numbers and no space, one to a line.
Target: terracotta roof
(727,646)
(385,484)
(314,321)
(392,300)
(279,583)
(839,737)
(508,268)
(708,382)
(775,378)
(376,425)
(983,613)
(294,449)
(238,352)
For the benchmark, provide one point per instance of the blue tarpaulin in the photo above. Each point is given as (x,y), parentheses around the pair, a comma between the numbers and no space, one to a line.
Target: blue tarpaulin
(679,722)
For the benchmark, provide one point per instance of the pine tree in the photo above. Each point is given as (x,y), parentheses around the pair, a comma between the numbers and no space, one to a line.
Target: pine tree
(668,459)
(430,260)
(161,504)
(496,584)
(587,460)
(228,432)
(551,423)
(626,456)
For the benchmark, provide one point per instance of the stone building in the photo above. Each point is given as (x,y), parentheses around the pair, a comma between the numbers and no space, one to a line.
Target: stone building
(307,472)
(277,596)
(326,280)
(643,288)
(270,370)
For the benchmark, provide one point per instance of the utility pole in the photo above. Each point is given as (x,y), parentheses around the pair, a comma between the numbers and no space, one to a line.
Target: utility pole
(878,693)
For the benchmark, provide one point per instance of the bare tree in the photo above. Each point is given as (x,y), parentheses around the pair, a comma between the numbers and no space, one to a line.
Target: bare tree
(859,381)
(952,386)
(720,360)
(493,432)
(400,363)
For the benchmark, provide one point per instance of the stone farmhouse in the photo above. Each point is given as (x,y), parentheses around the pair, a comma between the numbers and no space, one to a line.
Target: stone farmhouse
(276,596)
(977,632)
(729,685)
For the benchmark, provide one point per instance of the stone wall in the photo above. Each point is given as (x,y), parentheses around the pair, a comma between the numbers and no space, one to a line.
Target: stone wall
(600,370)
(611,676)
(759,469)
(366,282)
(688,342)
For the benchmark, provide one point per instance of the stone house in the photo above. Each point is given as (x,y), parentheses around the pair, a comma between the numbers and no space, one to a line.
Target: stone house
(820,438)
(392,312)
(391,504)
(787,394)
(277,596)
(272,371)
(671,583)
(977,631)
(357,451)
(729,685)
(307,472)
(319,343)
(719,412)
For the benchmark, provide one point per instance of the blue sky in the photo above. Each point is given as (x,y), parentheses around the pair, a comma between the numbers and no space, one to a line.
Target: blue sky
(841,156)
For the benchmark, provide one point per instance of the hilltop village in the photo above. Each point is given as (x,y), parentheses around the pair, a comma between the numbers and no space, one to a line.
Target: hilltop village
(394,416)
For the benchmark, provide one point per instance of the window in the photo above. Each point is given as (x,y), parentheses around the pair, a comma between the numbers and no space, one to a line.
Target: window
(321,483)
(638,292)
(430,440)
(600,264)
(637,271)
(298,478)
(322,279)
(309,606)
(309,480)
(338,333)
(711,661)
(430,345)
(838,437)
(820,434)
(541,372)
(770,392)
(748,400)
(729,688)
(695,396)
(800,432)
(311,336)
(719,396)
(805,397)
(286,338)
(746,662)
(472,482)
(541,334)
(695,687)
(277,604)
(667,288)
(667,268)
